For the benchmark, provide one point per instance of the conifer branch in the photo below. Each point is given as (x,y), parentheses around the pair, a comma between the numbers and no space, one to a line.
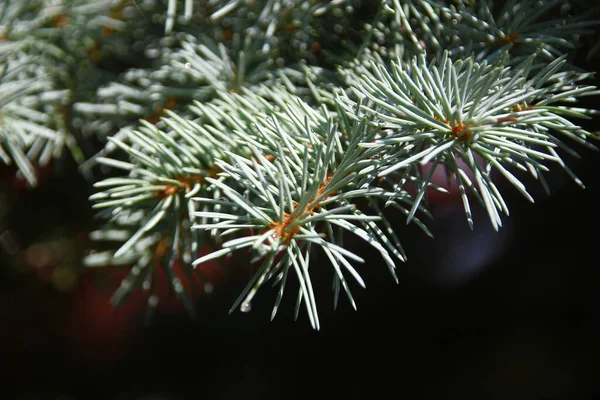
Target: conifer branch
(295,202)
(445,111)
(281,128)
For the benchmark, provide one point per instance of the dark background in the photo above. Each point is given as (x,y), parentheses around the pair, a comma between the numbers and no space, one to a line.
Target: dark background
(481,314)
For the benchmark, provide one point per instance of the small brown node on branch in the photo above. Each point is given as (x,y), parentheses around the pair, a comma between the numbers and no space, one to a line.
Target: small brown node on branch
(170,104)
(270,157)
(170,190)
(510,38)
(61,20)
(507,119)
(320,191)
(213,171)
(116,14)
(161,248)
(282,228)
(315,47)
(96,54)
(227,34)
(461,131)
(187,182)
(505,39)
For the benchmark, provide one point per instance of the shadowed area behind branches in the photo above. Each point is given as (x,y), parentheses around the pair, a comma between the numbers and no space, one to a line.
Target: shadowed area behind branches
(494,315)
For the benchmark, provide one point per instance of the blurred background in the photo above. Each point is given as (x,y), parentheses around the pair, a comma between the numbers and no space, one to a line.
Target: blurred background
(479,314)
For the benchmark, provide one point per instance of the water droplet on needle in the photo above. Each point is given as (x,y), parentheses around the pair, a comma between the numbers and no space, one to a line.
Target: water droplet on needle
(246,307)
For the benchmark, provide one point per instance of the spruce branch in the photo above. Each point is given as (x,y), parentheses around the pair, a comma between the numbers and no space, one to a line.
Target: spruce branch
(521,28)
(278,129)
(300,192)
(31,129)
(149,209)
(315,31)
(464,110)
(60,40)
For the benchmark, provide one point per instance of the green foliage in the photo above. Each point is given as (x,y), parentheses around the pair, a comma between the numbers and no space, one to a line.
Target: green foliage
(466,111)
(278,128)
(31,129)
(521,28)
